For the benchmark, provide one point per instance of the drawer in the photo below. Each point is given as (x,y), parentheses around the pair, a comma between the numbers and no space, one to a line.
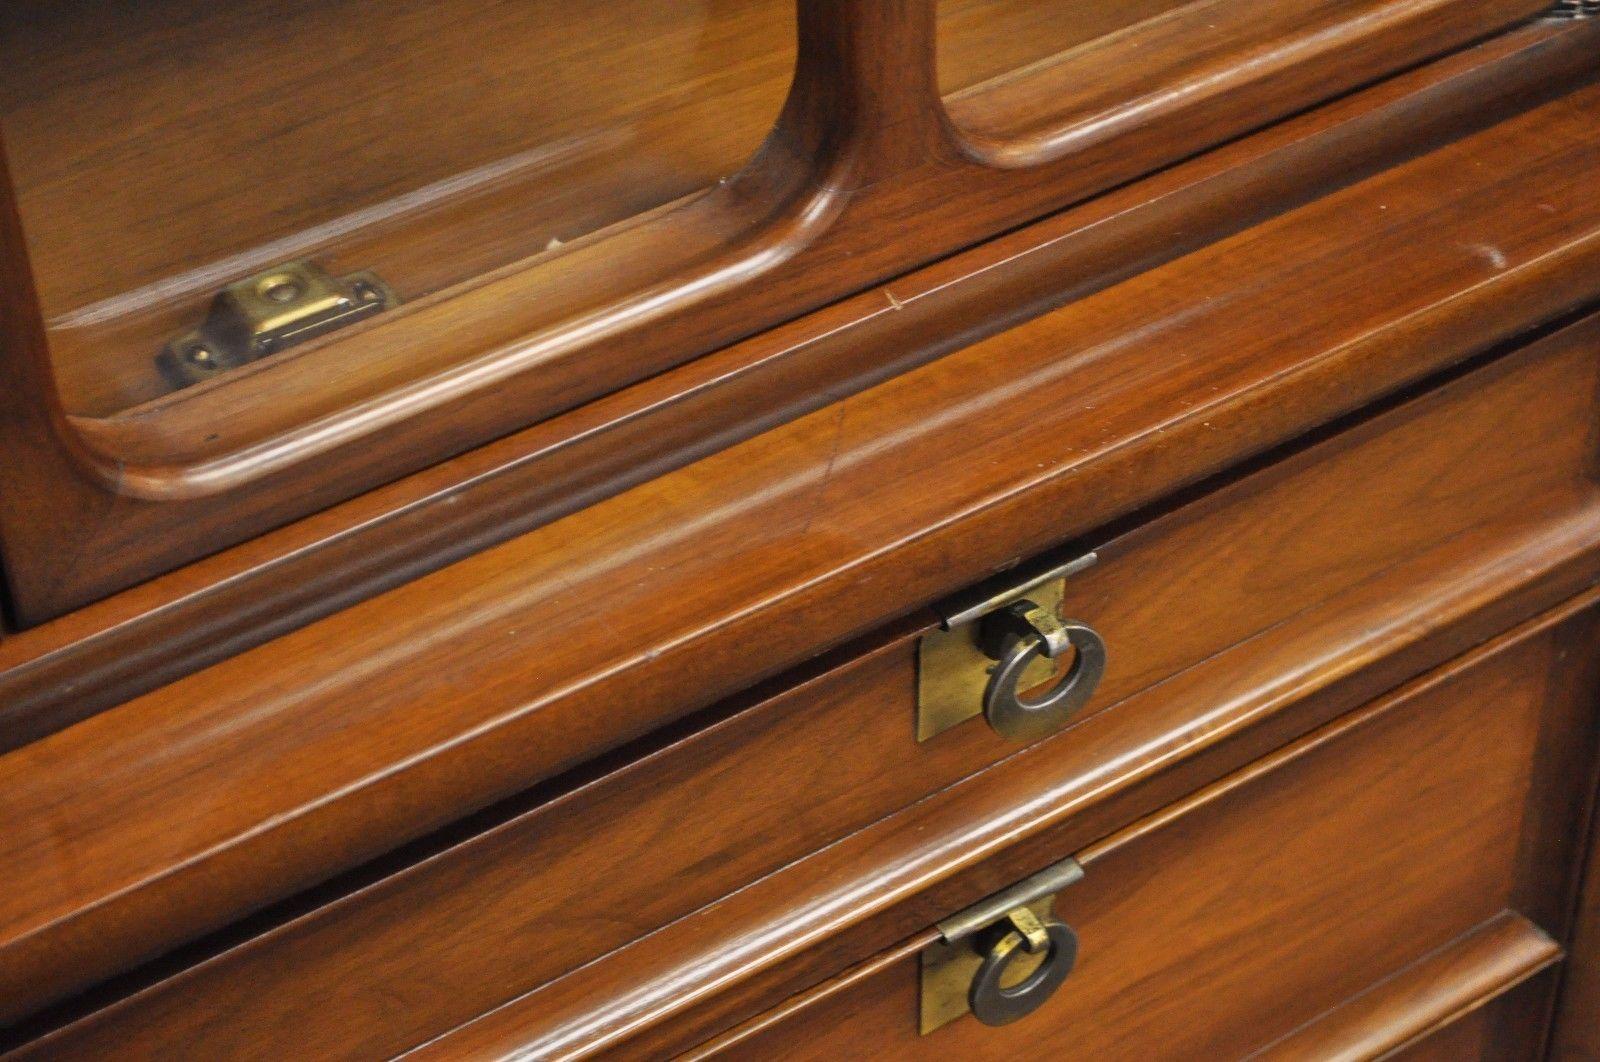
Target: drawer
(1340,898)
(541,886)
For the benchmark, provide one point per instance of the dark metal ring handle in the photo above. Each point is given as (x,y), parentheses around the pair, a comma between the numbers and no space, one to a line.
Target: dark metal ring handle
(994,1005)
(1019,634)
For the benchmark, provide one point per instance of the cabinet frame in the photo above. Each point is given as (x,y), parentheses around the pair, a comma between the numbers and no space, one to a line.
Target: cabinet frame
(868,173)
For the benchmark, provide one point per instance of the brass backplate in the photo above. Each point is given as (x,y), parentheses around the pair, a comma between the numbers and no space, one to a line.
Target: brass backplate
(952,671)
(948,970)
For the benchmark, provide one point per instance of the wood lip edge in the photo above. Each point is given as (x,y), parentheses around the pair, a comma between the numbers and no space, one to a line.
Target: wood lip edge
(1494,957)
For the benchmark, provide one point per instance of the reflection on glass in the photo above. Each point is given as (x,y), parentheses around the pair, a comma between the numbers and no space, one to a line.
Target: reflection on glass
(984,39)
(166,149)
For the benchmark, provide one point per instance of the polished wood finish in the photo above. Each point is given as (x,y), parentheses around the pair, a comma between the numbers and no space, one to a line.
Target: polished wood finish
(188,807)
(1577,1031)
(700,975)
(1437,1004)
(862,145)
(1310,878)
(1470,454)
(61,672)
(598,739)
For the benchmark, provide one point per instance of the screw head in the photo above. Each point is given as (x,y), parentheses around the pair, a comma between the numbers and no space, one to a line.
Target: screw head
(280,289)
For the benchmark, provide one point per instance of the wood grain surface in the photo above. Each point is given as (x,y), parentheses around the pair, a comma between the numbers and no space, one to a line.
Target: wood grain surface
(264,774)
(66,670)
(864,148)
(1359,857)
(541,893)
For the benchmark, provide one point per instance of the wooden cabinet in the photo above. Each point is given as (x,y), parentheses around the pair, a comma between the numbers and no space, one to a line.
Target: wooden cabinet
(585,617)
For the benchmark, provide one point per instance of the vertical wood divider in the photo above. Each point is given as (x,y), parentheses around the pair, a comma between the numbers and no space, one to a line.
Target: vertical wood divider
(37,461)
(865,103)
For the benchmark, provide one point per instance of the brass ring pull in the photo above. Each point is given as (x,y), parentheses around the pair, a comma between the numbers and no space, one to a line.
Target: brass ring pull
(1021,933)
(1019,634)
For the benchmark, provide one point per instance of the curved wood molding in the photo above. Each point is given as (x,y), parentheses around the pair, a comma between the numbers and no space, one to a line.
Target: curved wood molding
(864,147)
(1429,995)
(68,670)
(865,176)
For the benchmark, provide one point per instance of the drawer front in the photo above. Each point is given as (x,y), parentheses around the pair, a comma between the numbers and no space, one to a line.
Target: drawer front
(548,885)
(1495,445)
(1435,824)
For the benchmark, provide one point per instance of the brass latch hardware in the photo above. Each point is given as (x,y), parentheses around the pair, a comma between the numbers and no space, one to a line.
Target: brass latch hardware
(269,312)
(1003,957)
(1000,640)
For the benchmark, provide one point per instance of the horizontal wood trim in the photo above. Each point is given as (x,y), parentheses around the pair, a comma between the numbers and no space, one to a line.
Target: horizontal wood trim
(535,892)
(843,983)
(888,882)
(1425,997)
(264,774)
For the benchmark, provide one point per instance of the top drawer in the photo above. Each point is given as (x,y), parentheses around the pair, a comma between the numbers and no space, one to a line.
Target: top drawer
(781,774)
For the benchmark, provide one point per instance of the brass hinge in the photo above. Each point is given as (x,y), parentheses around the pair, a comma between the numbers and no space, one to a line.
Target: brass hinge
(272,311)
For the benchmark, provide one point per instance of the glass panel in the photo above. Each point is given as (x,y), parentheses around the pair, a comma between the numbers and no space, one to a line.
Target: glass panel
(980,40)
(163,149)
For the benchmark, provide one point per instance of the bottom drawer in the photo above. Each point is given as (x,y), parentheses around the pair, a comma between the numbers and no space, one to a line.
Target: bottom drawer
(1340,898)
